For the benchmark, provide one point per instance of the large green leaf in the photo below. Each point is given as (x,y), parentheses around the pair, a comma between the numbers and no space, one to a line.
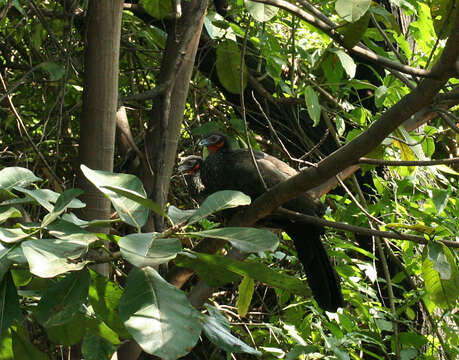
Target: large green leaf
(104,297)
(346,61)
(211,272)
(218,201)
(16,176)
(261,12)
(7,212)
(255,270)
(14,235)
(97,348)
(142,200)
(50,257)
(158,8)
(442,292)
(62,203)
(147,250)
(129,211)
(70,333)
(9,303)
(246,288)
(353,32)
(217,329)
(10,255)
(245,239)
(178,215)
(65,230)
(63,299)
(352,10)
(229,67)
(312,104)
(46,198)
(23,348)
(158,315)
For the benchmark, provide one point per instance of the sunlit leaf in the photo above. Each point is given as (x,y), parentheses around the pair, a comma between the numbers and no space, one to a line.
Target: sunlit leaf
(312,104)
(261,12)
(246,288)
(352,10)
(228,66)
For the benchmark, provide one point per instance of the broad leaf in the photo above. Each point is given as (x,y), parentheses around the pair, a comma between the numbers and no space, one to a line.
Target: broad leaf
(145,250)
(246,288)
(245,239)
(312,104)
(347,62)
(104,297)
(62,203)
(70,333)
(65,230)
(178,215)
(97,348)
(353,32)
(217,330)
(23,348)
(229,67)
(129,211)
(72,218)
(7,212)
(352,10)
(11,236)
(158,315)
(261,12)
(11,177)
(63,299)
(49,257)
(9,303)
(256,271)
(440,262)
(158,8)
(210,271)
(218,201)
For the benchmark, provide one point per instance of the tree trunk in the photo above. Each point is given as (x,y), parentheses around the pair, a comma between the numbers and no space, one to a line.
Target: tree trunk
(100,97)
(167,114)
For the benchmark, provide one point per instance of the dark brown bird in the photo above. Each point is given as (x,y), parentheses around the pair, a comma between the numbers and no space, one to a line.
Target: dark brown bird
(227,169)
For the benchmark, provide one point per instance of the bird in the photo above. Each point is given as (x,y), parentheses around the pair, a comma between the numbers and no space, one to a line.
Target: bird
(233,169)
(190,166)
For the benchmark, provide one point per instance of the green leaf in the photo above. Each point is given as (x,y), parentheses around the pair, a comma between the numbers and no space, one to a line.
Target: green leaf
(217,330)
(158,315)
(55,71)
(6,345)
(97,348)
(218,201)
(104,297)
(380,96)
(413,339)
(65,230)
(49,257)
(157,8)
(312,104)
(63,299)
(443,13)
(99,328)
(440,199)
(261,12)
(346,61)
(178,215)
(245,239)
(428,146)
(438,257)
(11,236)
(9,303)
(142,200)
(340,125)
(256,271)
(353,32)
(211,272)
(7,212)
(23,348)
(246,288)
(352,10)
(146,250)
(11,177)
(443,293)
(62,203)
(70,333)
(129,211)
(229,67)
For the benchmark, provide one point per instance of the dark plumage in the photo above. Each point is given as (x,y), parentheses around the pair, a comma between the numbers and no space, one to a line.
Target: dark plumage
(227,169)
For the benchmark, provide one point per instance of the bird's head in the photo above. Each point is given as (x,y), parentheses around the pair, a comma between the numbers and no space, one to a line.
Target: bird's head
(215,141)
(190,165)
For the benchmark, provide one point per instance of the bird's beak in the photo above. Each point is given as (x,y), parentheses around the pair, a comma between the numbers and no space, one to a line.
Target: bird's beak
(203,142)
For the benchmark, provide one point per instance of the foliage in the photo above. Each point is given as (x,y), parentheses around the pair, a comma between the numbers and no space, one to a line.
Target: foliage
(49,293)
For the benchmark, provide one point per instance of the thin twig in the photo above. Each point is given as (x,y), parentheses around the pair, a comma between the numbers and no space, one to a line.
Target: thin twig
(364,160)
(445,115)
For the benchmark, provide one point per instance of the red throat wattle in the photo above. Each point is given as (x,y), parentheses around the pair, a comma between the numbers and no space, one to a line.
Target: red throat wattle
(214,148)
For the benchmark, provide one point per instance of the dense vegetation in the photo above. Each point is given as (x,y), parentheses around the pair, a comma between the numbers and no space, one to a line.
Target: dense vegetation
(326,86)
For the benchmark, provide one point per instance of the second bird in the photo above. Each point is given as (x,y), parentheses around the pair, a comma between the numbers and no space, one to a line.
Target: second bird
(228,169)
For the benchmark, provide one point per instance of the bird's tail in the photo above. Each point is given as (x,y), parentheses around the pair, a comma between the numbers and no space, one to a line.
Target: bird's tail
(321,275)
